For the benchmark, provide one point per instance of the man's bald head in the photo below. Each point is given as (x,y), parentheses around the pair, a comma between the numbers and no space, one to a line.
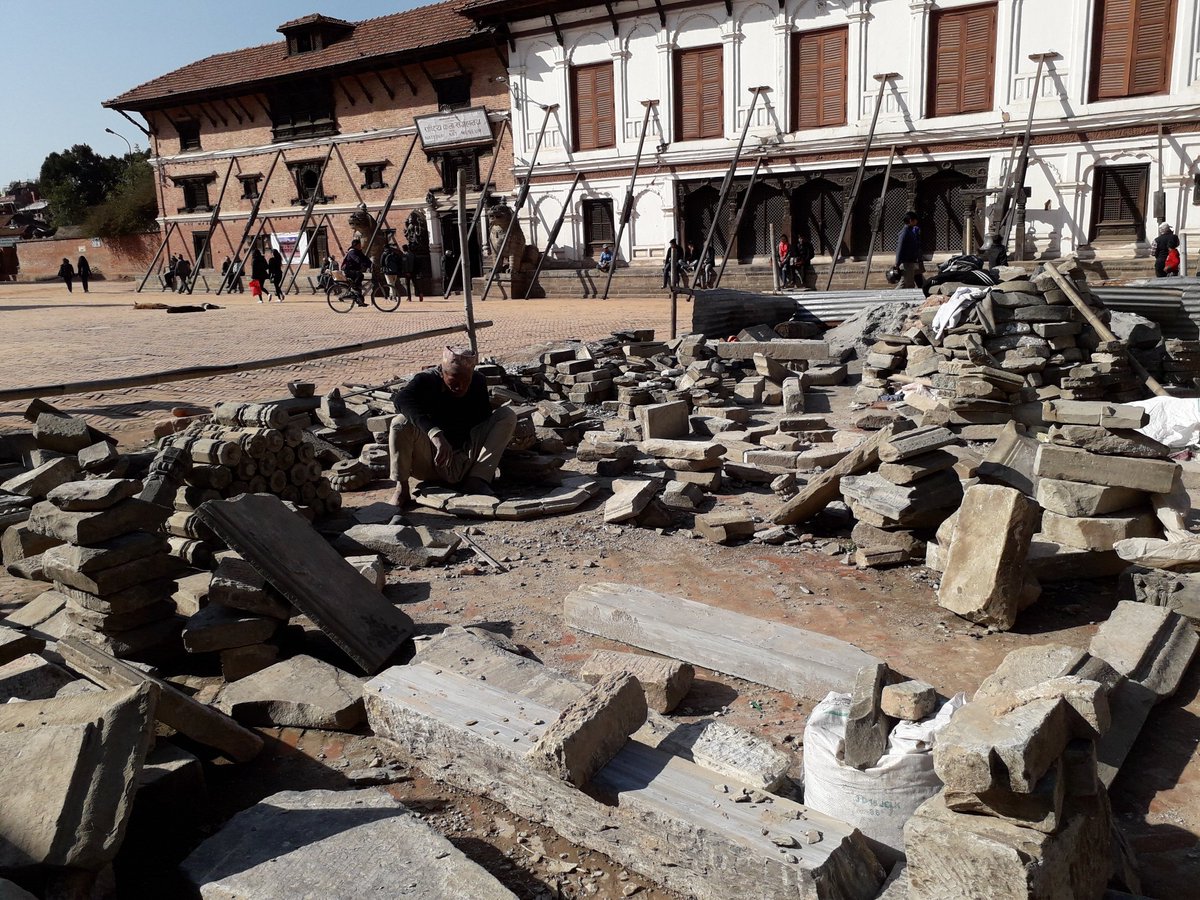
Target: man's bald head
(458,365)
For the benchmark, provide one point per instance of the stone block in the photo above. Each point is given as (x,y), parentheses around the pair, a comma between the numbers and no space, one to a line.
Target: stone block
(1048,561)
(1177,591)
(665,681)
(1108,442)
(300,692)
(1154,476)
(21,542)
(667,421)
(15,644)
(1150,645)
(953,855)
(36,611)
(113,580)
(630,497)
(94,494)
(361,843)
(682,496)
(867,726)
(68,772)
(909,700)
(724,526)
(31,677)
(191,593)
(1012,461)
(915,443)
(785,350)
(217,627)
(371,567)
(1077,498)
(401,545)
(1099,533)
(985,579)
(40,480)
(1094,412)
(913,469)
(691,451)
(793,396)
(98,457)
(238,585)
(63,434)
(96,527)
(590,731)
(238,662)
(114,552)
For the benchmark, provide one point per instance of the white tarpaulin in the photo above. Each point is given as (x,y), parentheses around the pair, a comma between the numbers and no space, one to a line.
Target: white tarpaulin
(1174,421)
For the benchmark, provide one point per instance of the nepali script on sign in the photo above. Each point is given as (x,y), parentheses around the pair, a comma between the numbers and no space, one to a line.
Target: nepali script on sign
(459,128)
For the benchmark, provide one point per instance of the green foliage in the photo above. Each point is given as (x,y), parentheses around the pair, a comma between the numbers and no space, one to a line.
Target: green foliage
(77,179)
(130,207)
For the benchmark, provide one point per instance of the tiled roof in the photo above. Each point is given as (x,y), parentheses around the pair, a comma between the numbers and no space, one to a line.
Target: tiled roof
(312,19)
(407,32)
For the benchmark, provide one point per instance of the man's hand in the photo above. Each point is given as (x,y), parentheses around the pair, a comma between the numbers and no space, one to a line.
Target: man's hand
(442,450)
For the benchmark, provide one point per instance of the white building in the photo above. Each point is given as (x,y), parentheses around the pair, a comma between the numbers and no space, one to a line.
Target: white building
(1125,82)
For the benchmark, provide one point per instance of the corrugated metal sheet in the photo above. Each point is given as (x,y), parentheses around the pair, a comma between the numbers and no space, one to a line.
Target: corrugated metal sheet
(832,307)
(1176,308)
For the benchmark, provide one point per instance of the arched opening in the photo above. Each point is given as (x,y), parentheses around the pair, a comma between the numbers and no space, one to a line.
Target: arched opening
(817,214)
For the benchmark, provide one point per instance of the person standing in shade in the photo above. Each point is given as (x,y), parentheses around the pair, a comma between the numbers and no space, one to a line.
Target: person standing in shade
(802,257)
(671,263)
(1162,246)
(786,275)
(67,274)
(408,271)
(84,271)
(275,273)
(908,251)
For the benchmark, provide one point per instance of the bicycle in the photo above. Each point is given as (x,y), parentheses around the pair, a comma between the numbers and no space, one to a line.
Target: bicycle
(342,296)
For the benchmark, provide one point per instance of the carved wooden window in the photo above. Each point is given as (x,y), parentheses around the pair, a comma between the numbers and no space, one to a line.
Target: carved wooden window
(1132,45)
(598,228)
(1119,208)
(962,64)
(593,107)
(819,78)
(189,135)
(700,94)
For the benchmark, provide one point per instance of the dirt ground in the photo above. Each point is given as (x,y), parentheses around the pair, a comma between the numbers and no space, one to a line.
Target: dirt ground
(892,614)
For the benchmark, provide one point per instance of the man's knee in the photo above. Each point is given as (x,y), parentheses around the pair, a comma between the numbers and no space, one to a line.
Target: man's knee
(504,414)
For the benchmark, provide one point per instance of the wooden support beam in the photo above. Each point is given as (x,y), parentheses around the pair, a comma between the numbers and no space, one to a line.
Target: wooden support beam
(662,13)
(349,176)
(232,111)
(216,112)
(612,17)
(345,90)
(148,131)
(729,7)
(362,87)
(386,87)
(403,74)
(424,71)
(246,112)
(557,31)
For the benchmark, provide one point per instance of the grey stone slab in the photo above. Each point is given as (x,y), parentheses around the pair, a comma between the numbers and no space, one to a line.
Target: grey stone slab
(31,677)
(54,431)
(217,627)
(1108,442)
(68,773)
(1077,498)
(96,527)
(15,644)
(908,700)
(916,442)
(353,844)
(867,726)
(630,497)
(1150,645)
(302,566)
(21,542)
(1154,476)
(93,494)
(802,662)
(37,610)
(238,585)
(401,545)
(113,552)
(113,580)
(300,692)
(1099,533)
(39,481)
(1012,461)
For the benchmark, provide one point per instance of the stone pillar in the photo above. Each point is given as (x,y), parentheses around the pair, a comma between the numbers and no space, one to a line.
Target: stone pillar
(666,84)
(918,55)
(731,41)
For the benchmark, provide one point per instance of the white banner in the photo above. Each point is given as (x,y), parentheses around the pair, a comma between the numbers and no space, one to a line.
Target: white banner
(459,128)
(286,241)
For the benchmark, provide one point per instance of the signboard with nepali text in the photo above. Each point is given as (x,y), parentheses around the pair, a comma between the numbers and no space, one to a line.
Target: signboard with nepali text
(458,128)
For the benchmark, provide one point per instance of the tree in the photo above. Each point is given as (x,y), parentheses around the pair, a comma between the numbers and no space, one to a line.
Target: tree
(131,207)
(76,179)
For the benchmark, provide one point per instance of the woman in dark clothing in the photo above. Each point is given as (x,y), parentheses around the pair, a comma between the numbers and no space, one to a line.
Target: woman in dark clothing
(275,273)
(258,270)
(84,271)
(67,274)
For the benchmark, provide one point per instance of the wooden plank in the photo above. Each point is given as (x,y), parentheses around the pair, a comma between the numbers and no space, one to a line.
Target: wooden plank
(657,814)
(826,487)
(805,663)
(198,721)
(302,566)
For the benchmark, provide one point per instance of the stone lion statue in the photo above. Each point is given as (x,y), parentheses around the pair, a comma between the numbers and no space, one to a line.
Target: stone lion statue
(363,224)
(518,257)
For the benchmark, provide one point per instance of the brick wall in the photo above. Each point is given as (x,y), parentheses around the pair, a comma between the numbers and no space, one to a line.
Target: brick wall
(123,257)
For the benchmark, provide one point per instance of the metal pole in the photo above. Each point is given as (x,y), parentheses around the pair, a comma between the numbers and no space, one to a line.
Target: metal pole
(522,194)
(483,192)
(212,226)
(627,209)
(391,197)
(774,258)
(883,80)
(737,220)
(154,262)
(238,263)
(725,185)
(553,235)
(1023,161)
(673,262)
(877,225)
(462,239)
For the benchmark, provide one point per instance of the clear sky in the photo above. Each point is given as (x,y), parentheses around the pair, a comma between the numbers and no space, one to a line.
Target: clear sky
(62,58)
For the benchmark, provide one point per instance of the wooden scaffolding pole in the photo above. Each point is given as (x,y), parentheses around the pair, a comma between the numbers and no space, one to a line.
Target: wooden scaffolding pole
(448,282)
(239,264)
(308,211)
(212,226)
(553,235)
(877,217)
(627,209)
(171,229)
(737,220)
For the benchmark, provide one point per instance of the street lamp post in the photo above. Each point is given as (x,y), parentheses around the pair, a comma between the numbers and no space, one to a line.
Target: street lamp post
(125,139)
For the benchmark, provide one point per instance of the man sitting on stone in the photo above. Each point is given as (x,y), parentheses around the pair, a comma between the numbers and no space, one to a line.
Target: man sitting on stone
(447,431)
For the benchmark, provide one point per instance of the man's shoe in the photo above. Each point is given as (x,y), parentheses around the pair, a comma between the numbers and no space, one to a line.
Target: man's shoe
(474,485)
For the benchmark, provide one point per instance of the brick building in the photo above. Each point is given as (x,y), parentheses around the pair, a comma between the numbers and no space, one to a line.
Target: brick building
(327,114)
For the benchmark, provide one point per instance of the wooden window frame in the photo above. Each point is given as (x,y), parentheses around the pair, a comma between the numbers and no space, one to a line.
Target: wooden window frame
(1134,229)
(961,108)
(250,186)
(590,242)
(303,109)
(682,132)
(453,91)
(369,169)
(798,38)
(581,140)
(189,135)
(1096,92)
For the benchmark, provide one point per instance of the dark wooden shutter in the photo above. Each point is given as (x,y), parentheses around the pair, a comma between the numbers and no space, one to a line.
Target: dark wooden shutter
(700,93)
(819,86)
(1132,48)
(962,61)
(598,226)
(594,106)
(1119,209)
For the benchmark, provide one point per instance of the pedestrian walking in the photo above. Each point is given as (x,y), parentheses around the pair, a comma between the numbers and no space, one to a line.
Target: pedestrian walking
(391,265)
(275,273)
(183,271)
(168,274)
(449,273)
(1161,247)
(908,251)
(67,274)
(258,274)
(409,264)
(84,271)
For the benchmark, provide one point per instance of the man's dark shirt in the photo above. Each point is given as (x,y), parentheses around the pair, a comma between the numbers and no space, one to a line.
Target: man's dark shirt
(427,403)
